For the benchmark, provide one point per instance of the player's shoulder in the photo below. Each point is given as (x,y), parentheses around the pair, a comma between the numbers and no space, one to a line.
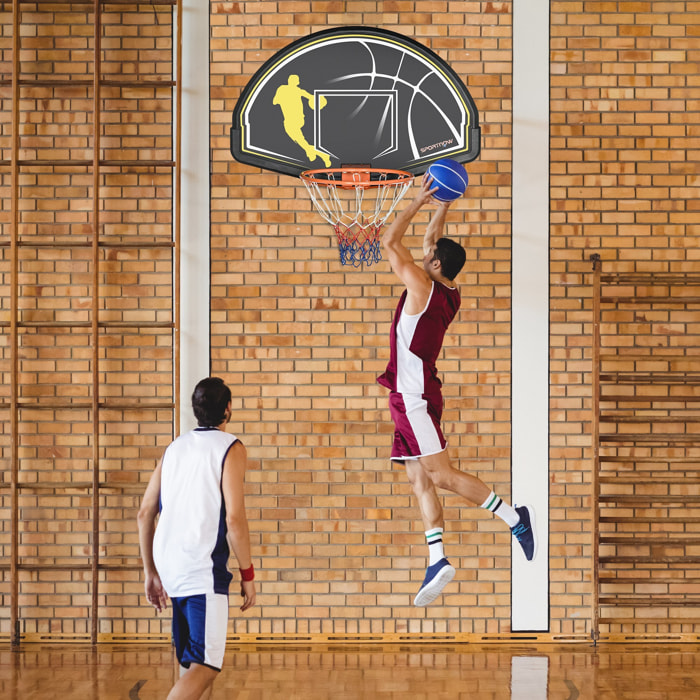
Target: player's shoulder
(416,279)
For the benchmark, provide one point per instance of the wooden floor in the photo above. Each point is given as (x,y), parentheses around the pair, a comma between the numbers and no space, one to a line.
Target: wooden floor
(493,672)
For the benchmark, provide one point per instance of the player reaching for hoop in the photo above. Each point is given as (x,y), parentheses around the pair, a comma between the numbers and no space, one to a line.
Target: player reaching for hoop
(425,310)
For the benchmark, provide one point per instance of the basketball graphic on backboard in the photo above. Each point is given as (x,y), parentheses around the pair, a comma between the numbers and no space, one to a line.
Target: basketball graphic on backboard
(354,96)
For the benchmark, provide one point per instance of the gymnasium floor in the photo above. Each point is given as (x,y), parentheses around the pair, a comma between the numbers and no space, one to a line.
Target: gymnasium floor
(493,672)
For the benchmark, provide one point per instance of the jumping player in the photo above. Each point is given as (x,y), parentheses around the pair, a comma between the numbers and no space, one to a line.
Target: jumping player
(196,492)
(425,310)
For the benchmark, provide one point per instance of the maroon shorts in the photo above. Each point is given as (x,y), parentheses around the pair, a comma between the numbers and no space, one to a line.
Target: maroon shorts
(417,430)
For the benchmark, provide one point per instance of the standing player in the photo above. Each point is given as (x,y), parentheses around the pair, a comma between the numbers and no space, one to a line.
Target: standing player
(198,490)
(425,310)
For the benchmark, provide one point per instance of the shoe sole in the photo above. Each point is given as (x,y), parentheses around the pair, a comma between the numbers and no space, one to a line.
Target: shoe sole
(431,591)
(533,526)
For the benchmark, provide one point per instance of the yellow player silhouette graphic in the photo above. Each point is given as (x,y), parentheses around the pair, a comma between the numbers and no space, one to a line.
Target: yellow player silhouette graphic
(290,98)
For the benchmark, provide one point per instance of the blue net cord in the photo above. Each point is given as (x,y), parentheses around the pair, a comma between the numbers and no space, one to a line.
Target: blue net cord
(358,245)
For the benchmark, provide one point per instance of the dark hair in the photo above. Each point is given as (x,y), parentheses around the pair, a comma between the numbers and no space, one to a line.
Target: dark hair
(451,256)
(210,399)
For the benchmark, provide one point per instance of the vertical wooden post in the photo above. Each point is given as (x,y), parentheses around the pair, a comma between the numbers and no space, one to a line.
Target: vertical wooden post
(14,339)
(95,322)
(595,436)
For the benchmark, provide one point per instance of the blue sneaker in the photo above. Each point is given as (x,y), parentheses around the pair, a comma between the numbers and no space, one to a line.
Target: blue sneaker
(524,531)
(436,578)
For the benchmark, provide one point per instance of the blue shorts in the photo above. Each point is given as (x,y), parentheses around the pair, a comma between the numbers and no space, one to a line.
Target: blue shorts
(200,623)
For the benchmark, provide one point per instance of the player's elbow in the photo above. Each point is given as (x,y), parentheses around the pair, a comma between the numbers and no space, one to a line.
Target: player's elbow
(236,523)
(389,240)
(144,517)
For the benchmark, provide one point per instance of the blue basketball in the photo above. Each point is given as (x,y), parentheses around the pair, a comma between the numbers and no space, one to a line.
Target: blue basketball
(450,178)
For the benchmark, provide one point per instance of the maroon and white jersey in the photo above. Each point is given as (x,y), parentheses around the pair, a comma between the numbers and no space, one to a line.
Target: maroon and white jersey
(416,342)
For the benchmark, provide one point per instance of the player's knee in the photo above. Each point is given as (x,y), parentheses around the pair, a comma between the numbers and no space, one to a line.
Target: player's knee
(419,480)
(441,478)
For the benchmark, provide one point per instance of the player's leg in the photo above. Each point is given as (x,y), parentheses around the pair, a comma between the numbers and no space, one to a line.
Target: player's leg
(424,488)
(520,519)
(194,684)
(419,433)
(199,633)
(206,695)
(439,572)
(439,469)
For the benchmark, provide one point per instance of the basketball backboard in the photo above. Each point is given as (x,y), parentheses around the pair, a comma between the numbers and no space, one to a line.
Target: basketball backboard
(354,96)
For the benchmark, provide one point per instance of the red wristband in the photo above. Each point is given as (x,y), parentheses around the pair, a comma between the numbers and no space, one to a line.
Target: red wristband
(247,574)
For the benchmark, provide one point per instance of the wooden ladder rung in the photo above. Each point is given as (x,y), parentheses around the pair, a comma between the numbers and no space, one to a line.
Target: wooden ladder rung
(645,481)
(661,580)
(666,299)
(83,163)
(650,460)
(54,566)
(75,566)
(123,162)
(44,404)
(104,244)
(654,355)
(631,602)
(88,324)
(631,420)
(648,560)
(680,521)
(640,541)
(621,398)
(665,622)
(145,83)
(52,83)
(77,486)
(648,499)
(646,438)
(656,278)
(646,378)
(149,3)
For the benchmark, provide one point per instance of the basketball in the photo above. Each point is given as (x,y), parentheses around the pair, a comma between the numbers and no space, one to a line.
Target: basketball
(450,178)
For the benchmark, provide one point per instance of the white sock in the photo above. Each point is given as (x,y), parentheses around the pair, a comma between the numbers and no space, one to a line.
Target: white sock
(435,546)
(500,508)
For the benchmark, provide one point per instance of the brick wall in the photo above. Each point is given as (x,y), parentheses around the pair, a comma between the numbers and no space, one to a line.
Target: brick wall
(300,339)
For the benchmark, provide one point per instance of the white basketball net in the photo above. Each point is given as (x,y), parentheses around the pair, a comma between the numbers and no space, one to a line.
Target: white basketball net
(356,202)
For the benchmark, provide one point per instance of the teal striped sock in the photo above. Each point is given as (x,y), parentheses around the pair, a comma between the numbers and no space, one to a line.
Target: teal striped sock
(500,508)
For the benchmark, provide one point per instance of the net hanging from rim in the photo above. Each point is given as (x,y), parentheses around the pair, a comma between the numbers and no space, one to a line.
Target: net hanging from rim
(356,202)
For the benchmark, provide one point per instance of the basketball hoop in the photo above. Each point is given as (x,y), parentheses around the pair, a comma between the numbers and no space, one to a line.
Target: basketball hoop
(356,202)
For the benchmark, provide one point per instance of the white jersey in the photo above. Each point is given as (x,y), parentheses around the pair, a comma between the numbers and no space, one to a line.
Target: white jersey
(189,547)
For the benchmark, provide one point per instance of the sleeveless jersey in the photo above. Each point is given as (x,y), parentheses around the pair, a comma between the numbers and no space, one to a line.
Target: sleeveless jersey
(416,342)
(189,547)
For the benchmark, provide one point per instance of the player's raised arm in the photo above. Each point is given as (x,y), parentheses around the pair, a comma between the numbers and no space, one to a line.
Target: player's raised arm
(436,227)
(400,258)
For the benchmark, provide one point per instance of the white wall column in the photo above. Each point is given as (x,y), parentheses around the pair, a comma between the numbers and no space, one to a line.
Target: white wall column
(530,293)
(195,211)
